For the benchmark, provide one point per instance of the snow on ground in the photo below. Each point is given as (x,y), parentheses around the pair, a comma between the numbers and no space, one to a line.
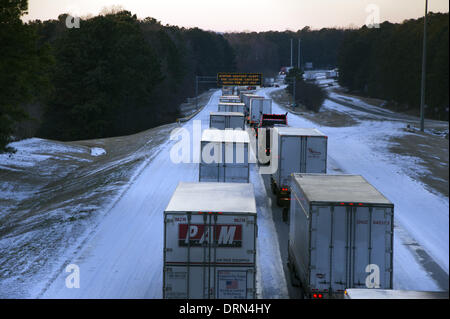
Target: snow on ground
(31,151)
(97,151)
(124,258)
(358,102)
(121,257)
(49,207)
(363,149)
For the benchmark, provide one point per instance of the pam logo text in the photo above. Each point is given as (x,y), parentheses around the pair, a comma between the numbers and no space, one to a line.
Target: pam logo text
(200,235)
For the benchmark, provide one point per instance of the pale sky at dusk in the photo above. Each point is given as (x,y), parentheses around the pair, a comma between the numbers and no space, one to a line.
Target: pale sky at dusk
(245,15)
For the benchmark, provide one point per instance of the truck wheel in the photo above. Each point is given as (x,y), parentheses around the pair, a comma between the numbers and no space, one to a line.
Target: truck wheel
(272,184)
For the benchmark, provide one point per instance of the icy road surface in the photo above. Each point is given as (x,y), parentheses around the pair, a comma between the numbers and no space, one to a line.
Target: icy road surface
(124,258)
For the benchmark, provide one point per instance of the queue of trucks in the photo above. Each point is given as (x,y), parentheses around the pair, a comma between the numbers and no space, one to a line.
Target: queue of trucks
(340,226)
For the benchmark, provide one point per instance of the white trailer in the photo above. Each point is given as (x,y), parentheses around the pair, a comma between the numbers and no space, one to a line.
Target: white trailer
(340,235)
(224,120)
(357,293)
(297,150)
(246,98)
(309,76)
(257,108)
(227,90)
(224,156)
(210,235)
(230,99)
(231,107)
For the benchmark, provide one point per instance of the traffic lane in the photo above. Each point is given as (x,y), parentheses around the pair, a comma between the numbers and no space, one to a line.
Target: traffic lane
(282,229)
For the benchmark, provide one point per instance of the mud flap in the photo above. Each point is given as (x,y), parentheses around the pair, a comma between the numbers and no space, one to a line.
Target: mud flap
(286,214)
(294,280)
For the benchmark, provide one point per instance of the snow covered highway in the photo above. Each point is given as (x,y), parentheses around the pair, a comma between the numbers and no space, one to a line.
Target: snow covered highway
(122,257)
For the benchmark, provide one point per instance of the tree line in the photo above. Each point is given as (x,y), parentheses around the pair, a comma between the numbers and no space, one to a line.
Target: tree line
(118,74)
(386,63)
(268,51)
(114,75)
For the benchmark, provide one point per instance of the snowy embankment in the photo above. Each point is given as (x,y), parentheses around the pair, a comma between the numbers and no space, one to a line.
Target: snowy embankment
(54,194)
(422,217)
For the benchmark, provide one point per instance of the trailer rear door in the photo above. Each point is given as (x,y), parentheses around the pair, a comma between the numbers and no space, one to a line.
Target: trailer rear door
(290,158)
(374,226)
(236,122)
(218,122)
(316,155)
(209,282)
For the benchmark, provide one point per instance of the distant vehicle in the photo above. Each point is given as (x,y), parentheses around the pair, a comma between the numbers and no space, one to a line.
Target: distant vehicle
(300,150)
(210,232)
(285,70)
(263,133)
(331,74)
(269,82)
(258,107)
(231,107)
(225,120)
(341,235)
(309,76)
(229,99)
(245,98)
(229,163)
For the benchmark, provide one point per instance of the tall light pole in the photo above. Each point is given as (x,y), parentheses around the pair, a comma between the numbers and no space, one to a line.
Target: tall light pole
(424,63)
(292,48)
(298,62)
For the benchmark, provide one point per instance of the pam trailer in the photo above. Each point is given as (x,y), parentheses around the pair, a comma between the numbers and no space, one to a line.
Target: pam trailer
(341,232)
(224,120)
(210,242)
(224,156)
(295,150)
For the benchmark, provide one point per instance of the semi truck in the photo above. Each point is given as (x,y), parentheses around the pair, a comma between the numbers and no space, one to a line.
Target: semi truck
(257,108)
(210,235)
(230,99)
(224,120)
(341,232)
(231,107)
(298,150)
(264,134)
(224,156)
(227,90)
